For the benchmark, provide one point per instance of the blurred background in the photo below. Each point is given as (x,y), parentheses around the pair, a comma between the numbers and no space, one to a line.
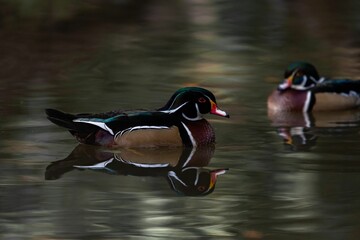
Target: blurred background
(284,181)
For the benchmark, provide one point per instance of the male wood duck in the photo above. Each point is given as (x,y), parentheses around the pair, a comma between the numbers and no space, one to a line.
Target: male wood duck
(179,123)
(304,90)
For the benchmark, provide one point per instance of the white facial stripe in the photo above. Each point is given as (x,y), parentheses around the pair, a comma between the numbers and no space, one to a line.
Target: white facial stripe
(321,80)
(175,100)
(198,114)
(304,81)
(316,81)
(299,87)
(174,110)
(193,142)
(302,85)
(99,124)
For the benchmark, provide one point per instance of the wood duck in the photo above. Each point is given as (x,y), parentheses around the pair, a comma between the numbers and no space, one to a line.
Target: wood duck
(179,123)
(183,168)
(304,90)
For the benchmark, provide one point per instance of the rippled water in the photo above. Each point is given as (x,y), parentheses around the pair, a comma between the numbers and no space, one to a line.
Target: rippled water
(294,176)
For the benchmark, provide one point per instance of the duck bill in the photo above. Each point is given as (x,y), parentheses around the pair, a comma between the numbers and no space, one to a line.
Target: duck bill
(214,174)
(217,111)
(287,83)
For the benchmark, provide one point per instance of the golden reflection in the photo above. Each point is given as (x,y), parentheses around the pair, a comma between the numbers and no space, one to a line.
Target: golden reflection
(300,131)
(183,168)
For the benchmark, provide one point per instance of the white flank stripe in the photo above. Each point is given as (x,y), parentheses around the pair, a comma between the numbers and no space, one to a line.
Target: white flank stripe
(148,165)
(147,127)
(99,124)
(190,135)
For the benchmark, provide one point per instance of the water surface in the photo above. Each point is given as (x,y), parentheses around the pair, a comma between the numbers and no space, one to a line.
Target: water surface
(295,176)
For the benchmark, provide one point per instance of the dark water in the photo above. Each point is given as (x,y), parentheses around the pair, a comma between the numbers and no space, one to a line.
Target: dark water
(289,177)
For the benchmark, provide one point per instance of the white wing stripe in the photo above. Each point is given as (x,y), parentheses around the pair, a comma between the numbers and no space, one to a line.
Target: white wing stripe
(100,165)
(99,124)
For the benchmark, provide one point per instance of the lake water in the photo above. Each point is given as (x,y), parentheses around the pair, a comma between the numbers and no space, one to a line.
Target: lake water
(286,177)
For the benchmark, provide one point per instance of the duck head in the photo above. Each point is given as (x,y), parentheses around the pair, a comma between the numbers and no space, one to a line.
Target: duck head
(193,102)
(300,76)
(194,181)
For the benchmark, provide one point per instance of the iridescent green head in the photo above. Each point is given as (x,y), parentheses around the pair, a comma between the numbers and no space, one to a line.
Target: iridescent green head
(300,76)
(193,102)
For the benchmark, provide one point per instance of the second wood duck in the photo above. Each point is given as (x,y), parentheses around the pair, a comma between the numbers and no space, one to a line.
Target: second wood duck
(179,123)
(304,90)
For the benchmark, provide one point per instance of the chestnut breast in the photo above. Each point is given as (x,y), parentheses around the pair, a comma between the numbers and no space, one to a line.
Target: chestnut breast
(287,100)
(201,131)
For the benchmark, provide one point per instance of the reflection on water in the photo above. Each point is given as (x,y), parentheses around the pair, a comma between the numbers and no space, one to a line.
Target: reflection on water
(349,118)
(183,168)
(297,138)
(95,56)
(300,130)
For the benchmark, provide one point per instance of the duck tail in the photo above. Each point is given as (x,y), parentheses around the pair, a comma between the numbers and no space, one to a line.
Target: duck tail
(62,119)
(84,132)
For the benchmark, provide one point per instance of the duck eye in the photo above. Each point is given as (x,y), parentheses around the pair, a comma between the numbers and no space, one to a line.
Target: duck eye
(299,74)
(202,100)
(201,188)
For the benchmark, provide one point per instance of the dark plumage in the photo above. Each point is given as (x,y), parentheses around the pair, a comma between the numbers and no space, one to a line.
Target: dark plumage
(178,123)
(304,90)
(183,168)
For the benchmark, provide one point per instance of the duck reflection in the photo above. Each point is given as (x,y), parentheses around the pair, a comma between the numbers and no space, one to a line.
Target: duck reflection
(297,138)
(183,168)
(300,131)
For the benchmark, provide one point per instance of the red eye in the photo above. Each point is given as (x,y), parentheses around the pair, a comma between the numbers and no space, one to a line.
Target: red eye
(299,74)
(202,100)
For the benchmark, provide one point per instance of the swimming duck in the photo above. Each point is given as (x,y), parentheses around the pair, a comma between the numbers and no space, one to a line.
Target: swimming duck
(179,122)
(304,90)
